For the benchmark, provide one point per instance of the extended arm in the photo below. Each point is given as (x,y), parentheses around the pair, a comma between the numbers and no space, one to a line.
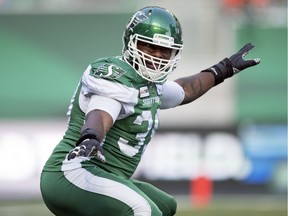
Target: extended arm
(196,85)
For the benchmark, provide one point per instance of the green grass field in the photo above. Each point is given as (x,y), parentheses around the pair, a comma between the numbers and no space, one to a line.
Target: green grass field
(231,206)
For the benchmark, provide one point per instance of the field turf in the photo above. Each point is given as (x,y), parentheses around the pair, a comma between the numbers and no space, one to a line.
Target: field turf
(260,206)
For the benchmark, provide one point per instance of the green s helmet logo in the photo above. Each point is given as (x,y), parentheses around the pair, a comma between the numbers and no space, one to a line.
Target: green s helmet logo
(137,18)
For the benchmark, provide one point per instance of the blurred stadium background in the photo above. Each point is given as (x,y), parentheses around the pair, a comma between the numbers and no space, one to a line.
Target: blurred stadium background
(226,154)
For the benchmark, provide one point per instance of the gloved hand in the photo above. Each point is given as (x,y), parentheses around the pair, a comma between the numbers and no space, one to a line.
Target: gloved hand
(239,63)
(233,65)
(88,146)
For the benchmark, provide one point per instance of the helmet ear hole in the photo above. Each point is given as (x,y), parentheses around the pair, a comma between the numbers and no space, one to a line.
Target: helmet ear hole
(173,53)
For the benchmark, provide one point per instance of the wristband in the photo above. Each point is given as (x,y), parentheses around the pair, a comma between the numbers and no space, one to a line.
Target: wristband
(88,133)
(221,71)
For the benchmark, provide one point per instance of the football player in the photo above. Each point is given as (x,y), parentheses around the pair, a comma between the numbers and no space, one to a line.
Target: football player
(114,114)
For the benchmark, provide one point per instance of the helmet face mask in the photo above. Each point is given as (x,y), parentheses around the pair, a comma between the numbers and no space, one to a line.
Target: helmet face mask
(158,27)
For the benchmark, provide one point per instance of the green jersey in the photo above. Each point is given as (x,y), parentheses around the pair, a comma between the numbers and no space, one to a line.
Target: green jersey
(126,141)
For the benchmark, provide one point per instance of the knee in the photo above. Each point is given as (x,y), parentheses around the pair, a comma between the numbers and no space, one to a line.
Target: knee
(141,207)
(172,207)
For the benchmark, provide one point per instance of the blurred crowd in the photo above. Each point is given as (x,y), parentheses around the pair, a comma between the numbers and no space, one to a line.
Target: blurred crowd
(273,12)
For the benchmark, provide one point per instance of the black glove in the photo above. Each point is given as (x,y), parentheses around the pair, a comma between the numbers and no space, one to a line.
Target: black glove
(233,65)
(88,146)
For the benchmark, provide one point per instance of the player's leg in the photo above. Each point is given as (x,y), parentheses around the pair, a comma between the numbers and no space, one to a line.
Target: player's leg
(126,191)
(97,193)
(165,202)
(63,198)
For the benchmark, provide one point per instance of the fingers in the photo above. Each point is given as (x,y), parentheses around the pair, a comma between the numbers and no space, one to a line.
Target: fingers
(249,63)
(257,60)
(252,62)
(76,152)
(81,150)
(97,152)
(246,48)
(84,151)
(73,153)
(100,156)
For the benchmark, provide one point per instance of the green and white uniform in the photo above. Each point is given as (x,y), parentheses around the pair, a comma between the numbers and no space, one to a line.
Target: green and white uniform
(86,186)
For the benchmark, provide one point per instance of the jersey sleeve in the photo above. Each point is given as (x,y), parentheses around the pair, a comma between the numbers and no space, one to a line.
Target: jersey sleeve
(172,95)
(105,85)
(106,104)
